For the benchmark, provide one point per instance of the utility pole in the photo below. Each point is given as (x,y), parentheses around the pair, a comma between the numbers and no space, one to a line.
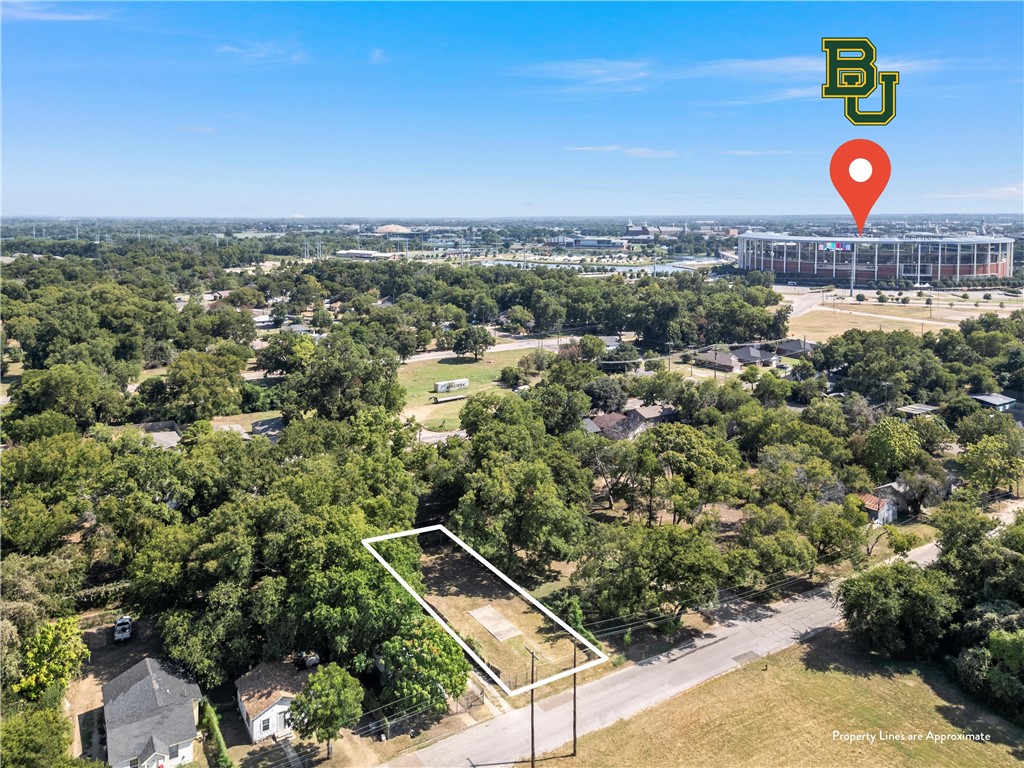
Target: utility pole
(574,700)
(533,741)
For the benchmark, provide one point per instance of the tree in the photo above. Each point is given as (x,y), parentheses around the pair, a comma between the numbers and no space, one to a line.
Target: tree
(201,385)
(890,446)
(29,527)
(330,700)
(898,610)
(518,319)
(591,348)
(837,531)
(475,339)
(79,391)
(423,668)
(606,394)
(993,461)
(512,512)
(342,378)
(38,738)
(53,656)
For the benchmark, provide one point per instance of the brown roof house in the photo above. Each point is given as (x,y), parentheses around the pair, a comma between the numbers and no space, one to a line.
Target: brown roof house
(881,511)
(265,696)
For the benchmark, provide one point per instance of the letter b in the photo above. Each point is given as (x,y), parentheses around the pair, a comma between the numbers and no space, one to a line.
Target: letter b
(849,77)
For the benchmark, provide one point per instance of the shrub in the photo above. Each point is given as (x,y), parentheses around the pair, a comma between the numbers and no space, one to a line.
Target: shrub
(211,722)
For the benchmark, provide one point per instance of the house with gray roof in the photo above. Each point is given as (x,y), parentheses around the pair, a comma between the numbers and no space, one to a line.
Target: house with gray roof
(994,400)
(151,712)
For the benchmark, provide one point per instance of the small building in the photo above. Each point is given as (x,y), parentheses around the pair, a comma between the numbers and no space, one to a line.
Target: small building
(795,348)
(1000,403)
(151,712)
(611,343)
(897,492)
(619,426)
(719,361)
(265,695)
(299,328)
(590,427)
(166,434)
(881,511)
(756,356)
(916,409)
(652,414)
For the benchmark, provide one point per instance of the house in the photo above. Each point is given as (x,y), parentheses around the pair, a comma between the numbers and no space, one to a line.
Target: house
(649,415)
(881,511)
(795,348)
(265,695)
(916,409)
(590,427)
(166,434)
(1000,403)
(719,361)
(151,712)
(611,343)
(897,492)
(756,356)
(300,329)
(619,426)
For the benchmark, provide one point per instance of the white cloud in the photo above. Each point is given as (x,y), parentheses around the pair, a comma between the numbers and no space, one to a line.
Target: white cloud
(377,56)
(269,52)
(629,151)
(45,12)
(758,152)
(1015,191)
(786,94)
(200,129)
(594,74)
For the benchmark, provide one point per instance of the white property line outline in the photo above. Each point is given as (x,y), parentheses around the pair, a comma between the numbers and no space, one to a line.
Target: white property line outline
(601,657)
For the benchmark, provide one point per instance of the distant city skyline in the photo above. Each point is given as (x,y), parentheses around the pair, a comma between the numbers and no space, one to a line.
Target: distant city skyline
(539,110)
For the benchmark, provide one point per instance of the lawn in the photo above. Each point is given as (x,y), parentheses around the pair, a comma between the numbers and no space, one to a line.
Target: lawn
(786,716)
(418,379)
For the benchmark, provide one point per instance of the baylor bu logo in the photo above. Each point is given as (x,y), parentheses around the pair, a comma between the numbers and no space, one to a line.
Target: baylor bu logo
(851,75)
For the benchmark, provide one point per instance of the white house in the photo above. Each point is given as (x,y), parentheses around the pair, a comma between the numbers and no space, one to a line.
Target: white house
(151,712)
(265,695)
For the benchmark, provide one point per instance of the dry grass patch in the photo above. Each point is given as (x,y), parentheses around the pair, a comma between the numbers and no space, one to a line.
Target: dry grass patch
(785,718)
(456,584)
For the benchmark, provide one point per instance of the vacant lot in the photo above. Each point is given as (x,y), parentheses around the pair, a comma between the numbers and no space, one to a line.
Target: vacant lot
(822,323)
(786,716)
(457,584)
(418,379)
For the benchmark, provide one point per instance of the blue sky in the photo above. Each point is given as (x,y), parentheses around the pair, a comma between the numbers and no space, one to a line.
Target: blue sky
(533,109)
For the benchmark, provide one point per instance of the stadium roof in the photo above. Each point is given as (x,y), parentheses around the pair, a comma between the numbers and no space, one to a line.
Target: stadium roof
(960,239)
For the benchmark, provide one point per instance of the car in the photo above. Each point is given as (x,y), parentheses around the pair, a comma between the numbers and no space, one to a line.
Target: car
(791,283)
(123,628)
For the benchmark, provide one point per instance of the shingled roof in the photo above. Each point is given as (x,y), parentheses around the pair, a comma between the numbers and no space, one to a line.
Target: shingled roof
(147,708)
(267,683)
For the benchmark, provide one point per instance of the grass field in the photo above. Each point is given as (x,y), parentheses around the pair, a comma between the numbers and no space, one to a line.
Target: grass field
(785,717)
(418,379)
(821,324)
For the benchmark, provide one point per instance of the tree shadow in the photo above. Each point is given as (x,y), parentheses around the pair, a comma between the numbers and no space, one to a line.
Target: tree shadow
(468,360)
(832,650)
(977,719)
(728,614)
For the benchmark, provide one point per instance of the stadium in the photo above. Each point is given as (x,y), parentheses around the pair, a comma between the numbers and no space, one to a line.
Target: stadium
(918,258)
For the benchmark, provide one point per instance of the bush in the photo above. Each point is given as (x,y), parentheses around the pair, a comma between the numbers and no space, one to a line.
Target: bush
(209,720)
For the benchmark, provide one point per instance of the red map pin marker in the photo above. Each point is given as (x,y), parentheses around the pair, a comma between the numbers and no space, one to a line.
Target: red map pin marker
(860,170)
